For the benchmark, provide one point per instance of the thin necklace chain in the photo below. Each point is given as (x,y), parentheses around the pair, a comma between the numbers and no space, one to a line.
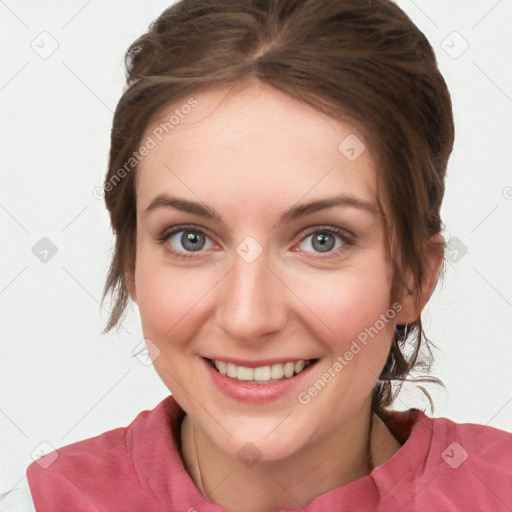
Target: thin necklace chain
(371,460)
(198,469)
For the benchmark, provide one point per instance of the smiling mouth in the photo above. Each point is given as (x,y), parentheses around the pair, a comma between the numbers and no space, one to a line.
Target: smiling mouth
(263,374)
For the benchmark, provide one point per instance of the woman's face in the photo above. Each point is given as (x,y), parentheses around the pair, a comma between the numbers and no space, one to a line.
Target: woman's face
(240,271)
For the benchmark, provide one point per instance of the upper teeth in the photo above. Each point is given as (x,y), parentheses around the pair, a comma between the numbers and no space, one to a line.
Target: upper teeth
(262,373)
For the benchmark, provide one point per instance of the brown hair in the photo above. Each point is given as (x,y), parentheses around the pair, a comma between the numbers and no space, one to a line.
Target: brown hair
(361,61)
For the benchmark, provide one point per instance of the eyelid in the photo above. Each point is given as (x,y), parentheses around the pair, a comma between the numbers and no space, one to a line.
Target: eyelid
(348,240)
(168,232)
(341,232)
(346,236)
(183,255)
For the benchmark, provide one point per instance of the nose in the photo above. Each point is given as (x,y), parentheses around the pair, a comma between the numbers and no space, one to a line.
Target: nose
(251,300)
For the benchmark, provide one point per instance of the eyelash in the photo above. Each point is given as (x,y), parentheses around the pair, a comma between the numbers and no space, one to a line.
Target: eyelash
(346,237)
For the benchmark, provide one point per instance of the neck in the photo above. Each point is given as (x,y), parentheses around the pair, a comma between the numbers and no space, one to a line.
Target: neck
(362,444)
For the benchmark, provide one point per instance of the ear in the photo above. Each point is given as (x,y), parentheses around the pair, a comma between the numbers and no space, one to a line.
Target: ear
(413,303)
(130,285)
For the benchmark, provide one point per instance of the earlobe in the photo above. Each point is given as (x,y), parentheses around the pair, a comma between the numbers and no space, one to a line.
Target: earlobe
(413,303)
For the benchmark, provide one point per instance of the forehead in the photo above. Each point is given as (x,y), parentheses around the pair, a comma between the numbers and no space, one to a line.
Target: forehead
(255,143)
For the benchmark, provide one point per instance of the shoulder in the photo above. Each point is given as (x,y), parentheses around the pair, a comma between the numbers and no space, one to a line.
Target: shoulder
(446,436)
(446,465)
(482,444)
(76,474)
(469,466)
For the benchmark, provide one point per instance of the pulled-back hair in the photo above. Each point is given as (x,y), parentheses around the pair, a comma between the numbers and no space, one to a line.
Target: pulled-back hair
(359,61)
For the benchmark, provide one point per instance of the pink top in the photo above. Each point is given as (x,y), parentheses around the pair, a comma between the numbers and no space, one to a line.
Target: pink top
(441,466)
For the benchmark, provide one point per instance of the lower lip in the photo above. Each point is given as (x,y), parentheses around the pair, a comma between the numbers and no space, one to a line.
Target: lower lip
(252,392)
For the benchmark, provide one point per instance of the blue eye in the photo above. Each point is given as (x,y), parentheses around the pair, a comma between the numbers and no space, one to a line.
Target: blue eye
(189,241)
(184,241)
(325,239)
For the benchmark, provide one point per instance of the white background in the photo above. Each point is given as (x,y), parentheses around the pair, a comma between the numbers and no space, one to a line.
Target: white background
(61,379)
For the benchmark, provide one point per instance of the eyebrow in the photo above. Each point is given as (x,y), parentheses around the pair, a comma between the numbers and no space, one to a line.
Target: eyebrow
(296,211)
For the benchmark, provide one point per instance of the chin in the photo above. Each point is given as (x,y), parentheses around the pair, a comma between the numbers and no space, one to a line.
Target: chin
(263,439)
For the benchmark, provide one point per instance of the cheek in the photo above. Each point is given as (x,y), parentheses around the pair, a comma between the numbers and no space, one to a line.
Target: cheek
(169,298)
(360,323)
(356,324)
(166,308)
(349,303)
(170,308)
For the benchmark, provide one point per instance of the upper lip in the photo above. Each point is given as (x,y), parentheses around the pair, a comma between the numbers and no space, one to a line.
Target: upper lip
(261,362)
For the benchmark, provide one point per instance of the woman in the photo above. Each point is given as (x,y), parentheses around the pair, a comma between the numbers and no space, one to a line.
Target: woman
(275,181)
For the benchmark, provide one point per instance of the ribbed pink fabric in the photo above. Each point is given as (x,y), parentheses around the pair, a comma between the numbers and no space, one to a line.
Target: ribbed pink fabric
(441,467)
